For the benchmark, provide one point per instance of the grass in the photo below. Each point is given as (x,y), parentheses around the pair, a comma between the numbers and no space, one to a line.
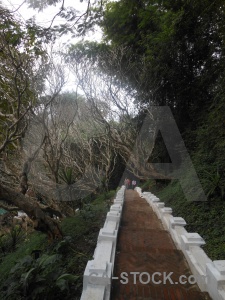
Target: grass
(205,218)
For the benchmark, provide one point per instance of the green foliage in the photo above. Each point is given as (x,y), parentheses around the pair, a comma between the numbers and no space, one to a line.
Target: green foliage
(58,273)
(72,226)
(111,194)
(203,217)
(208,154)
(34,241)
(41,4)
(67,175)
(10,240)
(146,186)
(100,200)
(89,50)
(91,211)
(166,40)
(20,57)
(174,55)
(76,22)
(38,279)
(212,182)
(16,235)
(88,212)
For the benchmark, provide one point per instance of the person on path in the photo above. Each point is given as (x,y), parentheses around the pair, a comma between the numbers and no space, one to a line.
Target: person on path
(133,184)
(128,183)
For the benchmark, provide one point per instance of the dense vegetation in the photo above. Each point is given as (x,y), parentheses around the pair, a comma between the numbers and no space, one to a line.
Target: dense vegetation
(59,146)
(205,218)
(175,53)
(31,268)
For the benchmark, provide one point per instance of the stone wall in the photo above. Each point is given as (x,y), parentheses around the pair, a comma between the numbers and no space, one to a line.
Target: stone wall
(98,273)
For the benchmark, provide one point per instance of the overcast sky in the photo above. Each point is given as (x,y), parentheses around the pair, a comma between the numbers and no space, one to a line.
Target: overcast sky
(45,18)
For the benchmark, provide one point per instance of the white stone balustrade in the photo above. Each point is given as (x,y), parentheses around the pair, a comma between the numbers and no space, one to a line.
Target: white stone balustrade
(116,207)
(210,276)
(176,228)
(191,239)
(216,279)
(113,216)
(138,190)
(98,272)
(156,208)
(118,201)
(177,221)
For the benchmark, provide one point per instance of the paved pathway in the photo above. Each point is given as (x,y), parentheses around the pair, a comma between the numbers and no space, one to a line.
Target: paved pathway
(144,246)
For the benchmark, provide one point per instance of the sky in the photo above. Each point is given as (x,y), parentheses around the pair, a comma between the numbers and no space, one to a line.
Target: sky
(45,18)
(25,13)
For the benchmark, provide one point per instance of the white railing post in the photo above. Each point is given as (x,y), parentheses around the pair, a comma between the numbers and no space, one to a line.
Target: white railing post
(210,276)
(98,272)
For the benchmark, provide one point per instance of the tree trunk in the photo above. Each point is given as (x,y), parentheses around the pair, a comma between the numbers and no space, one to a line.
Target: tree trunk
(42,222)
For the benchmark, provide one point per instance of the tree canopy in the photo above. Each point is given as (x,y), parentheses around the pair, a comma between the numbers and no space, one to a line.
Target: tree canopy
(152,53)
(167,41)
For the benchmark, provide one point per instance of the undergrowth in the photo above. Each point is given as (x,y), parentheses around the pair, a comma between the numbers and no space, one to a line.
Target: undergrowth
(36,269)
(206,218)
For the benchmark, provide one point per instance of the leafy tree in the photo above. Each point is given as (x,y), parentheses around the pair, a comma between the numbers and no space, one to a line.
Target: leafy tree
(21,79)
(18,77)
(166,41)
(76,22)
(163,53)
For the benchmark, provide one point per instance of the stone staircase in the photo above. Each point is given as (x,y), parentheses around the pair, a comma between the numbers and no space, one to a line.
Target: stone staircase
(149,258)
